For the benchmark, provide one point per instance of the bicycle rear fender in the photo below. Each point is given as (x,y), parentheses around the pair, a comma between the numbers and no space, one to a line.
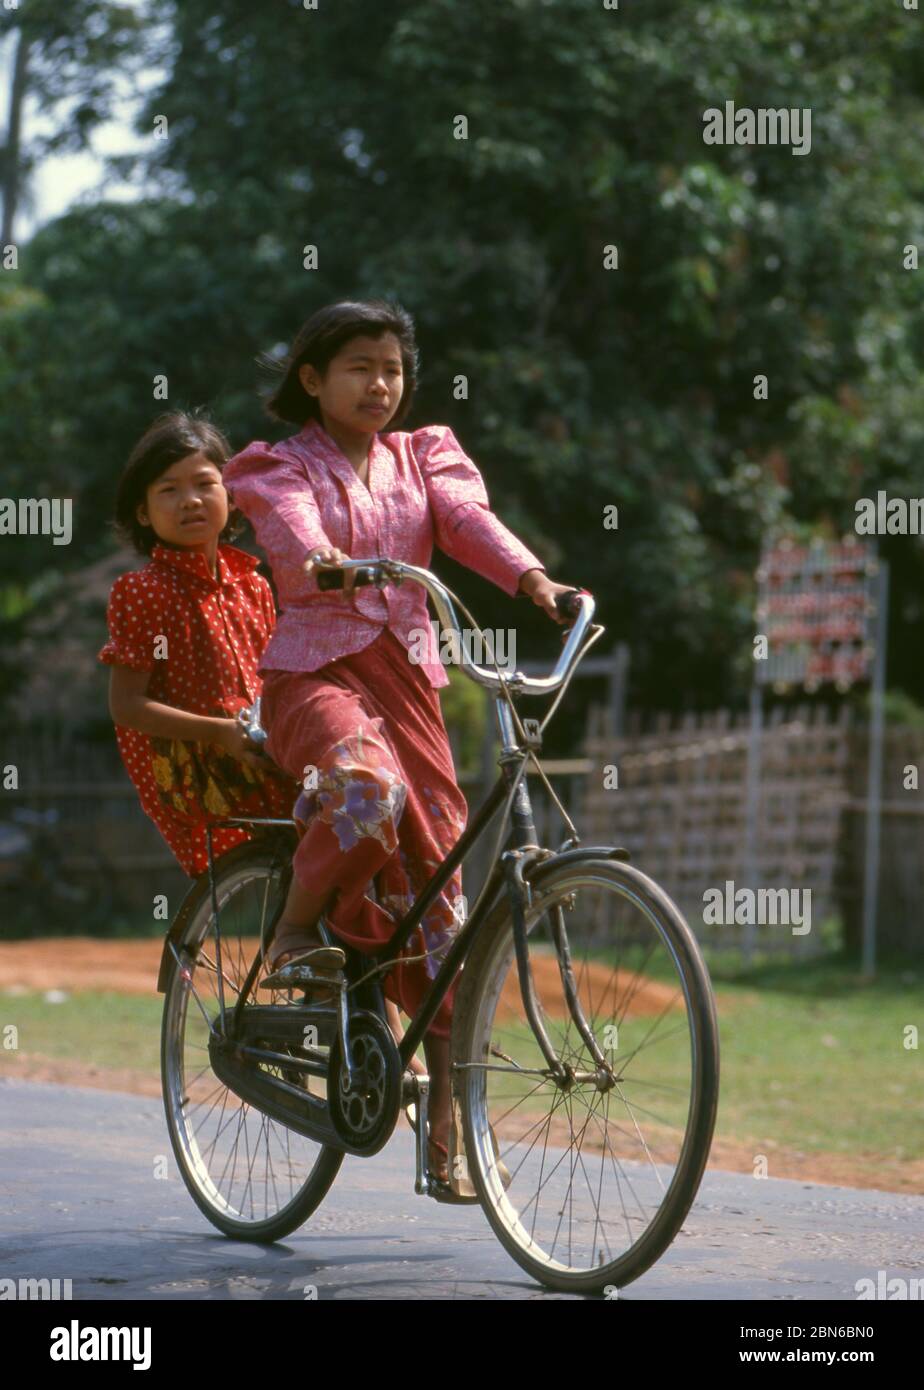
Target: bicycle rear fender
(177,928)
(192,900)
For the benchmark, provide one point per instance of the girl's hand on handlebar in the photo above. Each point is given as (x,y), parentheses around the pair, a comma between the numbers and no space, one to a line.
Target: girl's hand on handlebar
(330,557)
(543,592)
(232,737)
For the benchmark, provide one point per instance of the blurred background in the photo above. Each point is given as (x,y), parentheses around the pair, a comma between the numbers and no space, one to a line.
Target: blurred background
(590,385)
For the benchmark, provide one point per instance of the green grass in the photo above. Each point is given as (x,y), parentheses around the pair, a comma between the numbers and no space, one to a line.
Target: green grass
(100,1029)
(813,1057)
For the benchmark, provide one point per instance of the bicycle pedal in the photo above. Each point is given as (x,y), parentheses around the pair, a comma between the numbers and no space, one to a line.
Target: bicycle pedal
(442,1192)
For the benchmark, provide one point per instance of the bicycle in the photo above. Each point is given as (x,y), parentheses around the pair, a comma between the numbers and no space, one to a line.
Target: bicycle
(586,1130)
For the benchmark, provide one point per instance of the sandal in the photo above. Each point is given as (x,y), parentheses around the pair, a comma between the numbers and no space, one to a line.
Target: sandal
(321,965)
(410,1110)
(441,1189)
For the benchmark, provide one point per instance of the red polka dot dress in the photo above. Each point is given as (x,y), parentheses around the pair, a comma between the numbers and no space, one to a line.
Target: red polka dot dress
(201,638)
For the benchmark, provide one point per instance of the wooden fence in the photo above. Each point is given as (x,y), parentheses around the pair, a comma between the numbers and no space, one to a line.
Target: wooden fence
(103,861)
(110,860)
(680,808)
(901,875)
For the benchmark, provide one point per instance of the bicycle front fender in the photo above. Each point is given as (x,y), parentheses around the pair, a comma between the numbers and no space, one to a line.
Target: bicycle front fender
(567,857)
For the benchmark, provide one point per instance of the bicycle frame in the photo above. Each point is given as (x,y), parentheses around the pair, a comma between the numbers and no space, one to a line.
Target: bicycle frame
(473,832)
(506,871)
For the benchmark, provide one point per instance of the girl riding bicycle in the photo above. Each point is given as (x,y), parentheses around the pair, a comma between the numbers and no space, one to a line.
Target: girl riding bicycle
(347,711)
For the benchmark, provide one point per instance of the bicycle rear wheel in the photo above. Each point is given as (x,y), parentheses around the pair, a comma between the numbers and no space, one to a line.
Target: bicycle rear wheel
(253,1178)
(599,1173)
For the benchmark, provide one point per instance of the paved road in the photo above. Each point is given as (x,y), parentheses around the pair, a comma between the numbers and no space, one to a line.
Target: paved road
(78,1201)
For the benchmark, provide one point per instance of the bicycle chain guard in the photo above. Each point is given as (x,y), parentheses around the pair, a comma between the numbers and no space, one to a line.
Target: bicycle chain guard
(361,1118)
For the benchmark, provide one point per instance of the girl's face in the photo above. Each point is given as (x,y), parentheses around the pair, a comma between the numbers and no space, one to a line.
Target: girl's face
(363,385)
(187,505)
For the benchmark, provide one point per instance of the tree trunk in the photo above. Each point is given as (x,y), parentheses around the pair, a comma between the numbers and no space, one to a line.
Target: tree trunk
(11,161)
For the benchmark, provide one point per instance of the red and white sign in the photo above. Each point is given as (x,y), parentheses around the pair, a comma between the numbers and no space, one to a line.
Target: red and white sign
(815,607)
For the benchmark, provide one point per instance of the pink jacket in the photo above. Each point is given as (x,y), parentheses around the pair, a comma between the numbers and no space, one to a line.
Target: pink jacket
(303,493)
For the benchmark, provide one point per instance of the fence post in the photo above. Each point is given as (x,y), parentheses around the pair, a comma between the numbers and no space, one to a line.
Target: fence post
(618,681)
(874,781)
(753,809)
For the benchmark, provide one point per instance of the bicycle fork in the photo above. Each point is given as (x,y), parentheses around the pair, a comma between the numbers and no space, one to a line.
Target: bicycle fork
(515,862)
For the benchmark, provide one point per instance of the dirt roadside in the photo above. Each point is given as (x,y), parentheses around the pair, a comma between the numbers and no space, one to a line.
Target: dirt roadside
(130,967)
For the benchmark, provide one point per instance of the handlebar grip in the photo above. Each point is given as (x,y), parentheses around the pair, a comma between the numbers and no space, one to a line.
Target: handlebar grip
(333,579)
(569,605)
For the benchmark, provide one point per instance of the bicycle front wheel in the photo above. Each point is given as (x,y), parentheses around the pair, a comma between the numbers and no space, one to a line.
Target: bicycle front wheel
(586,1183)
(253,1178)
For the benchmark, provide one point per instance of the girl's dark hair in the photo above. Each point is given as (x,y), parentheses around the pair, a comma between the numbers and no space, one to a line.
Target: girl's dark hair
(321,338)
(167,439)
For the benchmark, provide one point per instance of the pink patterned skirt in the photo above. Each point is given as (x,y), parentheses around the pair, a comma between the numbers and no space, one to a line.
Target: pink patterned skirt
(365,737)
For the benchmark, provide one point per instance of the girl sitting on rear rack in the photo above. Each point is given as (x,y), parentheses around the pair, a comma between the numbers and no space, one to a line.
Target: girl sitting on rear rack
(186,632)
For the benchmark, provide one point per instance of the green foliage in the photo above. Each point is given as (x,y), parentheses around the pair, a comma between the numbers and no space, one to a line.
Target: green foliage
(898,709)
(464,714)
(65,62)
(586,386)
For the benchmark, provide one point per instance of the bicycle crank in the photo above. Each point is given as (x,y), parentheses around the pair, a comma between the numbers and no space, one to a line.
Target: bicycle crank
(365,1103)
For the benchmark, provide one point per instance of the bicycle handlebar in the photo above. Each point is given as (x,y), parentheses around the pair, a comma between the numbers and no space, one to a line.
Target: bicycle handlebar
(381,572)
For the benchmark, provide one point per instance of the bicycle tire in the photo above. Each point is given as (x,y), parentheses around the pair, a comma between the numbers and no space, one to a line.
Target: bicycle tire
(247,863)
(477,998)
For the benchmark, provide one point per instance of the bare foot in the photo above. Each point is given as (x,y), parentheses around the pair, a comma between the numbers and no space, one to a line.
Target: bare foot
(438,1159)
(291,940)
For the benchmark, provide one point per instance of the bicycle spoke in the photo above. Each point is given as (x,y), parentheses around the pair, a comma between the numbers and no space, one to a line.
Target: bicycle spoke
(213,966)
(589,1163)
(245,1168)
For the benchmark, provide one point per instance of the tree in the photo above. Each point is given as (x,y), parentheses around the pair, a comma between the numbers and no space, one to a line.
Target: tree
(67,59)
(586,386)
